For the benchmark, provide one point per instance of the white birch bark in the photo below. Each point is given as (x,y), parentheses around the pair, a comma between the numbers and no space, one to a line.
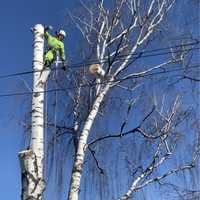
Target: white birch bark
(31,159)
(115,38)
(80,155)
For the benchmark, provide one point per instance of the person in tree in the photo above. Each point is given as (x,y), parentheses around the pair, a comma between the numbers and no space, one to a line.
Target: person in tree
(54,44)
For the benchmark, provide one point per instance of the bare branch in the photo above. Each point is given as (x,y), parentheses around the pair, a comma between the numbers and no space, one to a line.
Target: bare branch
(96,161)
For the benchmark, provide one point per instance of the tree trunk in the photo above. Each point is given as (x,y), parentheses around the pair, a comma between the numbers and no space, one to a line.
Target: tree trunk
(31,160)
(79,159)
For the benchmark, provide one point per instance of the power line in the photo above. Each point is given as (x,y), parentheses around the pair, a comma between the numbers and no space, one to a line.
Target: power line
(93,84)
(141,52)
(120,57)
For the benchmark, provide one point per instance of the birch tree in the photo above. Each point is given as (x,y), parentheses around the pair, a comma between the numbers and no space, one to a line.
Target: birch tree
(132,93)
(119,39)
(33,184)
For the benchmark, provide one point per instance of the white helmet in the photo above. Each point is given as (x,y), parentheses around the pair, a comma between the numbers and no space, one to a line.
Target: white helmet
(62,32)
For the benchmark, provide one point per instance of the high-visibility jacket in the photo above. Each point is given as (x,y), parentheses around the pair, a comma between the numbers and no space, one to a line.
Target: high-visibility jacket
(54,45)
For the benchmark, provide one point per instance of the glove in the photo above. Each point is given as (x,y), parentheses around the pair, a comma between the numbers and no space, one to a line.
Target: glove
(64,65)
(47,28)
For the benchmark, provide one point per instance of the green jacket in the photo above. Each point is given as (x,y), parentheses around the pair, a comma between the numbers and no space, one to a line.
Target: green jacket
(55,45)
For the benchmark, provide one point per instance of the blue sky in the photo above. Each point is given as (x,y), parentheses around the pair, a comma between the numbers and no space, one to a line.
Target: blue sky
(16,19)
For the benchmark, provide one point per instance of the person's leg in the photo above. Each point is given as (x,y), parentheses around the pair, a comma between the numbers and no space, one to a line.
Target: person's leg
(48,59)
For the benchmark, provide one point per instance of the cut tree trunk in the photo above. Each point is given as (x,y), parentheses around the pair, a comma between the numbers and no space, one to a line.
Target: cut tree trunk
(33,184)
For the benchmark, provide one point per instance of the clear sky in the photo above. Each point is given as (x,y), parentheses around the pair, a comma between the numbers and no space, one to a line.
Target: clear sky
(16,19)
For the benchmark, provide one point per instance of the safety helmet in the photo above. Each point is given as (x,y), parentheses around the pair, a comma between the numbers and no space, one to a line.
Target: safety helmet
(62,32)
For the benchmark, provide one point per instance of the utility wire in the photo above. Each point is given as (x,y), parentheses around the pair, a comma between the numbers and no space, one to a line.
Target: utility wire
(93,84)
(118,58)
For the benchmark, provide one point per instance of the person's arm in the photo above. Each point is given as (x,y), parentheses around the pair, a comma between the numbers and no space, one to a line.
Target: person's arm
(62,53)
(62,56)
(46,33)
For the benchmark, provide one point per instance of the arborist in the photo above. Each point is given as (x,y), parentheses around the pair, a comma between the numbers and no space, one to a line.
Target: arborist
(54,44)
